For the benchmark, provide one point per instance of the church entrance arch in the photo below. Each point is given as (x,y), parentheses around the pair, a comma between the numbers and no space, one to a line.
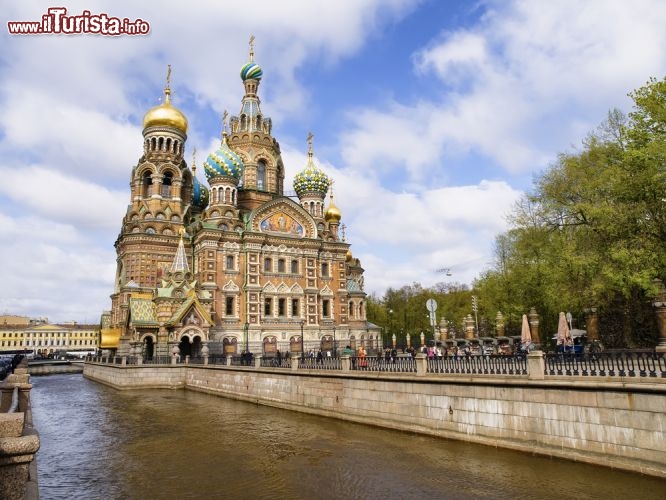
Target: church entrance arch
(185,347)
(148,348)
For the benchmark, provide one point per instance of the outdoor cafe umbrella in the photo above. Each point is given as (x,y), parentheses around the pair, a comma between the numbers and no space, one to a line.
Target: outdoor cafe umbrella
(525,334)
(563,332)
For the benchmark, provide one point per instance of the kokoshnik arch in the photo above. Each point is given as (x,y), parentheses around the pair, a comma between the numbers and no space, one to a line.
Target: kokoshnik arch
(237,265)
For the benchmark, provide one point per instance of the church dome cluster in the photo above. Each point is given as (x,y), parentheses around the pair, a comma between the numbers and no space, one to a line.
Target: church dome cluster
(223,163)
(205,265)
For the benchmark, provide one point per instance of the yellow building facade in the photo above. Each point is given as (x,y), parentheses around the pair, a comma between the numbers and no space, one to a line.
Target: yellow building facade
(239,264)
(41,338)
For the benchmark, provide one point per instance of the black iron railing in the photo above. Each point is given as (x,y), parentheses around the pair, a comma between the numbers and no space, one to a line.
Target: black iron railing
(325,363)
(607,364)
(479,365)
(398,364)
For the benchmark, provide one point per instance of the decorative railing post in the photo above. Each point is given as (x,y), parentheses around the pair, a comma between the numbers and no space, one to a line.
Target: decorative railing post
(592,323)
(536,365)
(499,324)
(229,360)
(534,326)
(294,361)
(345,359)
(204,353)
(123,361)
(444,329)
(257,361)
(469,327)
(421,364)
(659,304)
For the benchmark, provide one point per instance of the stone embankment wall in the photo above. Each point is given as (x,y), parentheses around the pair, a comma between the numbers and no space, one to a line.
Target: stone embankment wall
(19,441)
(54,367)
(615,423)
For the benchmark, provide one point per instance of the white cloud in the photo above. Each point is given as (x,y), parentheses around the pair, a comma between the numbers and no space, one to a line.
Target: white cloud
(46,193)
(526,82)
(54,270)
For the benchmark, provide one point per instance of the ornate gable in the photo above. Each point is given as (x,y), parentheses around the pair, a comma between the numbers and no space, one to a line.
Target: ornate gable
(283,217)
(191,313)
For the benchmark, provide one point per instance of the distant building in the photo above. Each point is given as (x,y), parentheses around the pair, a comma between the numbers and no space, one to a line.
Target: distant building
(39,337)
(237,265)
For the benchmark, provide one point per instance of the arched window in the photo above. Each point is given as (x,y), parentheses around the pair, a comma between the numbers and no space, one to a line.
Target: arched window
(166,185)
(261,175)
(146,182)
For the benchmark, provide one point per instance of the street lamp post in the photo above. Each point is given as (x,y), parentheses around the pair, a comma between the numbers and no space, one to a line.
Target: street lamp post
(245,330)
(335,347)
(475,308)
(390,311)
(302,343)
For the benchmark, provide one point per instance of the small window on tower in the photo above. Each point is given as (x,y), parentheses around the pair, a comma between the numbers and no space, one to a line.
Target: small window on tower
(261,175)
(294,267)
(230,262)
(281,266)
(282,306)
(324,269)
(268,264)
(229,310)
(326,308)
(268,306)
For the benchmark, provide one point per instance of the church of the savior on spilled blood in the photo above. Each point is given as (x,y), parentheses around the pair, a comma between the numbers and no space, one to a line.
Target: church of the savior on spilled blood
(237,265)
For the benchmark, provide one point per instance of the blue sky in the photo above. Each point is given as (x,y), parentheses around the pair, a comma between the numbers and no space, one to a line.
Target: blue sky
(432,117)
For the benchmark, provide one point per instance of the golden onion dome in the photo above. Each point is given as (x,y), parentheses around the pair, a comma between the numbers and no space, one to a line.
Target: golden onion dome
(165,115)
(349,255)
(333,213)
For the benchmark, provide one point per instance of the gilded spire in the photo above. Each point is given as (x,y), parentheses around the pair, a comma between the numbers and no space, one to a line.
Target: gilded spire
(194,161)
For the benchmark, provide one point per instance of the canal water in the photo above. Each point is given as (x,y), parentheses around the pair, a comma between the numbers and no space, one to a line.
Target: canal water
(99,443)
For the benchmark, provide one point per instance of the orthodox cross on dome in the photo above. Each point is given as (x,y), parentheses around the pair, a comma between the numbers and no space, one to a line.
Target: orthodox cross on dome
(167,89)
(224,122)
(251,48)
(194,164)
(343,227)
(310,137)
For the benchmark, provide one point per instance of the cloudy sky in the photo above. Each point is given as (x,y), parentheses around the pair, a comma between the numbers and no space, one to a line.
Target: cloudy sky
(431,116)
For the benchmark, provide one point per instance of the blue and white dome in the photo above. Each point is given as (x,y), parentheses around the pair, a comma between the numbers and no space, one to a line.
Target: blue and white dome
(251,71)
(223,163)
(311,180)
(200,194)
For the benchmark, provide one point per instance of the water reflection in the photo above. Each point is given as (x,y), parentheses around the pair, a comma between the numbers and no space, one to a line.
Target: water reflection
(102,443)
